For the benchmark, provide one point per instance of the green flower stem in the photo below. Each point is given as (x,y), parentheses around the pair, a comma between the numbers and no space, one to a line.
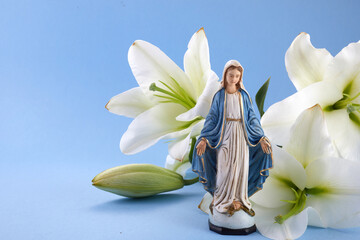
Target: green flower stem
(300,201)
(191,181)
(298,206)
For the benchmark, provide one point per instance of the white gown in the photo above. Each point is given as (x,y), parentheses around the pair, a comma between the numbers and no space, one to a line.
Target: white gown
(232,160)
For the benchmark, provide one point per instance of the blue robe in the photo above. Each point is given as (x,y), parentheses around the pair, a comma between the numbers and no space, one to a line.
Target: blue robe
(259,162)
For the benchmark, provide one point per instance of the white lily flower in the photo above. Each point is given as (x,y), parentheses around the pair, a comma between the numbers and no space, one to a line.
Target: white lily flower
(169,103)
(331,82)
(309,185)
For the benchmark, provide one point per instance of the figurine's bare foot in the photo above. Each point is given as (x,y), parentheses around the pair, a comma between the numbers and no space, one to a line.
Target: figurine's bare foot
(237,205)
(231,209)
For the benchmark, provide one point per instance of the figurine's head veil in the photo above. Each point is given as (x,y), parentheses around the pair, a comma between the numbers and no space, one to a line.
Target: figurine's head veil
(235,64)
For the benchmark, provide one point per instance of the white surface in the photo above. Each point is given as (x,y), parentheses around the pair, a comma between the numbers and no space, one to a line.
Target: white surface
(238,220)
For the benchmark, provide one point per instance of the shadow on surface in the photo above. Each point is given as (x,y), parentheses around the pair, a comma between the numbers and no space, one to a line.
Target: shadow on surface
(332,231)
(142,204)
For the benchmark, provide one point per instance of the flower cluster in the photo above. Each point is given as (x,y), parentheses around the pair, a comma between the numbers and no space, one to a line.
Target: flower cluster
(310,184)
(331,82)
(169,103)
(315,180)
(315,133)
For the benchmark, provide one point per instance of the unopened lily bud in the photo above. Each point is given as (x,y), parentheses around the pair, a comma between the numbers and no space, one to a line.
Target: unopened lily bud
(138,180)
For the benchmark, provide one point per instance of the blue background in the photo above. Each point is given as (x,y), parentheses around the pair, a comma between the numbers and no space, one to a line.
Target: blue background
(61,61)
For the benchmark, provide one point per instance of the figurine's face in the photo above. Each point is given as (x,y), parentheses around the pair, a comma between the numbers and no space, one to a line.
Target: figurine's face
(233,76)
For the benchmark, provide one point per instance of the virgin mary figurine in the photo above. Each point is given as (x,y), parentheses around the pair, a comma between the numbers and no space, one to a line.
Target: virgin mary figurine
(232,156)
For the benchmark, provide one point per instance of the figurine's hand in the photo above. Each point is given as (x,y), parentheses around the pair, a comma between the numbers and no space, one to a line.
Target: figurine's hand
(200,148)
(265,145)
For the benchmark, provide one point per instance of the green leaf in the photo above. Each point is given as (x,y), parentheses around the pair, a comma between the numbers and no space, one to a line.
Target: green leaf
(260,97)
(193,141)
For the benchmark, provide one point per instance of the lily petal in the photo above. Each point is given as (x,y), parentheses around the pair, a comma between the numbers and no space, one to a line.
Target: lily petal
(272,194)
(287,174)
(149,127)
(129,103)
(304,63)
(196,129)
(179,148)
(197,60)
(205,203)
(314,218)
(344,73)
(310,139)
(288,171)
(334,191)
(203,103)
(292,228)
(279,118)
(338,176)
(149,64)
(177,166)
(345,134)
(288,168)
(337,211)
(349,221)
(344,69)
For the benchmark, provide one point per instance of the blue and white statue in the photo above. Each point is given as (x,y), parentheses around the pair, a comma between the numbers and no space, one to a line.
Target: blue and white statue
(232,156)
